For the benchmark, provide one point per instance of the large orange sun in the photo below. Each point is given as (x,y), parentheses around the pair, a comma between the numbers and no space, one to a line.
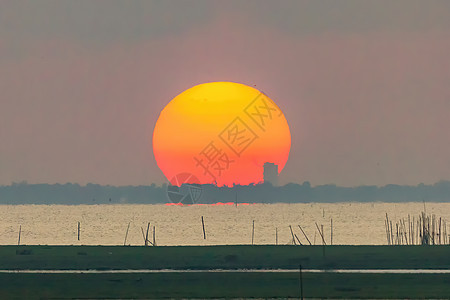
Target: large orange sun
(222,133)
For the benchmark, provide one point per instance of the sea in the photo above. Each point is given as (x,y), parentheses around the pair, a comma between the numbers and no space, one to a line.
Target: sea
(223,223)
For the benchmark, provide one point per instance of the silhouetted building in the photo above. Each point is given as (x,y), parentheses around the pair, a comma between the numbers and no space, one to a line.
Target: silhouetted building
(271,173)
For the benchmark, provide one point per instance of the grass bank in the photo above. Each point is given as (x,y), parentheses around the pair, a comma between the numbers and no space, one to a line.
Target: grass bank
(224,257)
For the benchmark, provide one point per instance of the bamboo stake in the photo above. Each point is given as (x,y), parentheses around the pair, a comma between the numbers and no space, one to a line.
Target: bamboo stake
(146,234)
(398,241)
(304,234)
(126,234)
(323,234)
(432,228)
(323,239)
(400,228)
(392,234)
(405,232)
(331,232)
(146,241)
(419,231)
(297,239)
(446,235)
(78,230)
(385,229)
(276,236)
(143,235)
(444,228)
(293,239)
(20,231)
(388,235)
(409,229)
(386,224)
(253,231)
(203,226)
(154,234)
(444,231)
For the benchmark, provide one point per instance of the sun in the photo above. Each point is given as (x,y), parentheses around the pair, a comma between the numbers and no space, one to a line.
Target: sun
(222,133)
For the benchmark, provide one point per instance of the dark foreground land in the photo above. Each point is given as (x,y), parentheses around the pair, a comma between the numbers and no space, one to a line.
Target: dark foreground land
(223,285)
(224,257)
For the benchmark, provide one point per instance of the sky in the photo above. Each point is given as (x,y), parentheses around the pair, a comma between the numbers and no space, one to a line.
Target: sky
(363,84)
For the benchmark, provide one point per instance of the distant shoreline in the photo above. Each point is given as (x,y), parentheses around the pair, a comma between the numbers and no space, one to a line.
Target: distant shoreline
(74,194)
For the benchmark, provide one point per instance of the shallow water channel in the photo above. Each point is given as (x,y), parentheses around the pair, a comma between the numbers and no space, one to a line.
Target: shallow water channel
(347,271)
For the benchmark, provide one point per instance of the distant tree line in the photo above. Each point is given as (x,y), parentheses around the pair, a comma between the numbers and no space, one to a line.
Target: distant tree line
(73,194)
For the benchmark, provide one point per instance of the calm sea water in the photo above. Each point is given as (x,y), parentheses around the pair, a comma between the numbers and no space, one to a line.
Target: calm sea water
(353,223)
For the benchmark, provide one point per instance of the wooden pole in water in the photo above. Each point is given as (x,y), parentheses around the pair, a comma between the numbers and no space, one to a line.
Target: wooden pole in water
(444,228)
(405,232)
(410,231)
(323,239)
(304,234)
(143,234)
(386,224)
(445,233)
(146,234)
(432,228)
(387,232)
(276,236)
(323,234)
(253,231)
(301,283)
(20,231)
(297,239)
(392,233)
(444,240)
(203,226)
(293,238)
(398,241)
(331,233)
(126,234)
(154,238)
(78,230)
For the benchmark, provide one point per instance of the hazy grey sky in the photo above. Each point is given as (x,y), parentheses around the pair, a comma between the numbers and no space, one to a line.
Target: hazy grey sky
(364,84)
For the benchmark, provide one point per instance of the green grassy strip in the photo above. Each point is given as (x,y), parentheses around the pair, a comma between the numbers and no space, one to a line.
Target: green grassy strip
(222,285)
(226,257)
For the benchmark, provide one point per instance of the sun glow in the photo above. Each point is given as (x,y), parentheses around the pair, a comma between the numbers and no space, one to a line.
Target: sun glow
(221,132)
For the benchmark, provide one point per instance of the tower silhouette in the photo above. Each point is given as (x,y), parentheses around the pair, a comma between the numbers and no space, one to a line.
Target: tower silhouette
(271,173)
